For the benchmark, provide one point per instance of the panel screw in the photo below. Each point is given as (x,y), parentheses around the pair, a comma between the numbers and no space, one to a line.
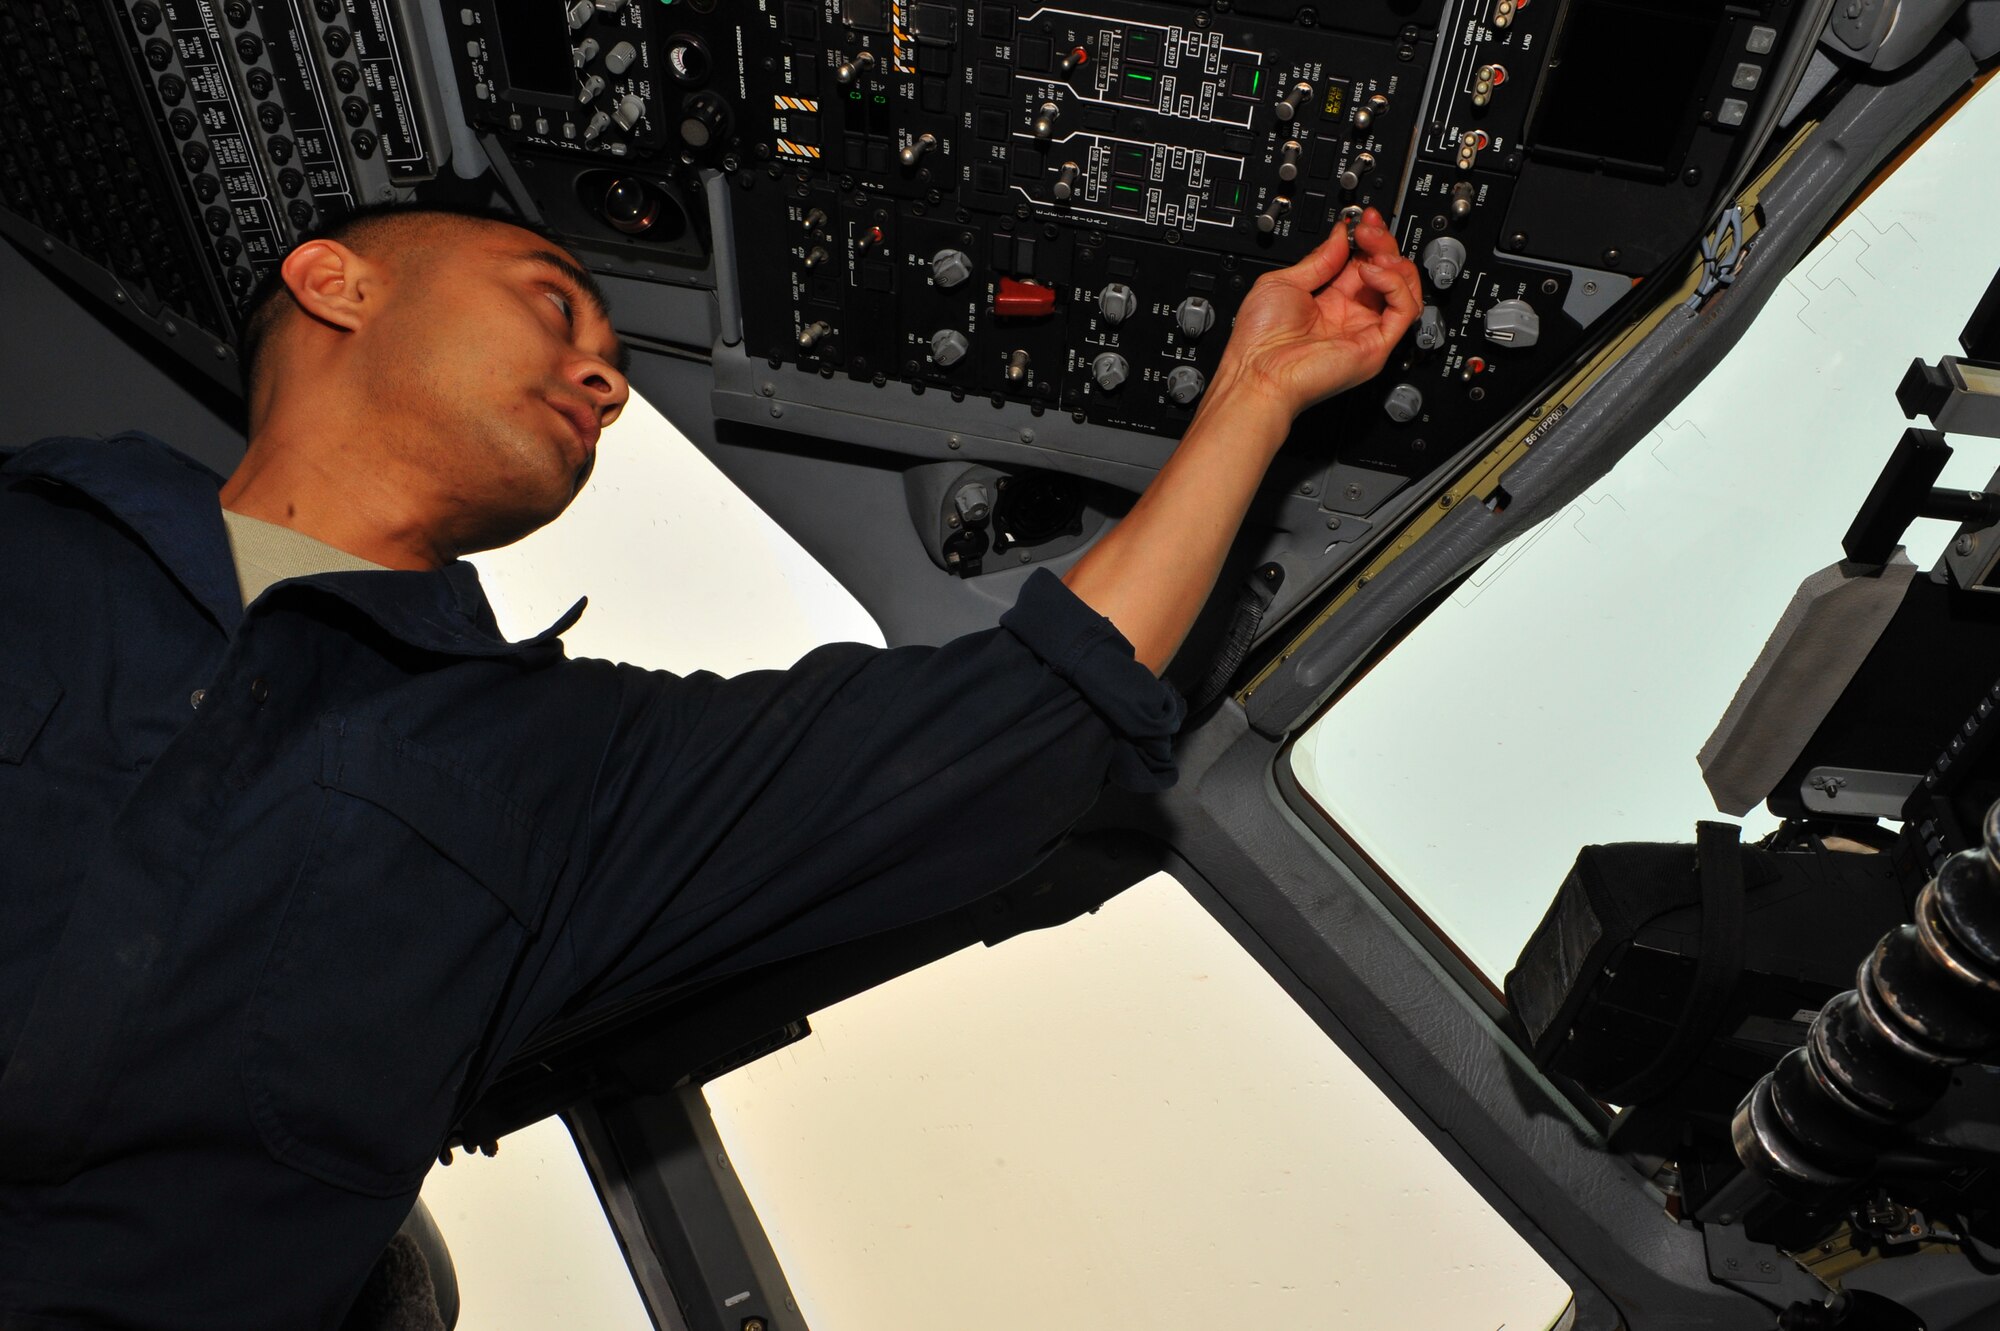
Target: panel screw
(1590,286)
(1354,493)
(954,442)
(1550,286)
(1333,524)
(1518,241)
(1610,257)
(1027,436)
(1306,488)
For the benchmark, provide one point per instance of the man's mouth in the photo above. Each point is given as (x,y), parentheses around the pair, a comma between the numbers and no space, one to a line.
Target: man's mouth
(582,421)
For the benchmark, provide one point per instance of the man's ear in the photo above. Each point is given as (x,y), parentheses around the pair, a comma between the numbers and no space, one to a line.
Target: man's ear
(332,283)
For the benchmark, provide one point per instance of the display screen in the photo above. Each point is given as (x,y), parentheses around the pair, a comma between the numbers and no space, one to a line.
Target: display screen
(534,42)
(1622,86)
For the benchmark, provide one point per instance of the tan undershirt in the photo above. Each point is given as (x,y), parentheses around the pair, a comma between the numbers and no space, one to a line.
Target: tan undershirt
(266,553)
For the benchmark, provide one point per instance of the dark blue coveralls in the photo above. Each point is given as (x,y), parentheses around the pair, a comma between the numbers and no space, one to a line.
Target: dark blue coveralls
(280,889)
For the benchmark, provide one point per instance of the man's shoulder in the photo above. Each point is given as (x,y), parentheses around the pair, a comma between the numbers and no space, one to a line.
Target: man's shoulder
(118,471)
(129,446)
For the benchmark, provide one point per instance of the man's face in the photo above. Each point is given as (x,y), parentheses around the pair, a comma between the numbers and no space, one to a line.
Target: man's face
(495,369)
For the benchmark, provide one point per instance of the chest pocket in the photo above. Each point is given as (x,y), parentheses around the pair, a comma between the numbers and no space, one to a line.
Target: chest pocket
(415,898)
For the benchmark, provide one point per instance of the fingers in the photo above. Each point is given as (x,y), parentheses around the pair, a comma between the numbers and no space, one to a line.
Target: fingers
(1318,268)
(1395,282)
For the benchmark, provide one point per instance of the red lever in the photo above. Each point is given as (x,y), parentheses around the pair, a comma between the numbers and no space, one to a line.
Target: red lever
(1023,299)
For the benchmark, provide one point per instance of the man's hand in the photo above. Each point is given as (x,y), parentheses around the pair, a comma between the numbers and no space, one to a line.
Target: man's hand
(1303,333)
(1326,323)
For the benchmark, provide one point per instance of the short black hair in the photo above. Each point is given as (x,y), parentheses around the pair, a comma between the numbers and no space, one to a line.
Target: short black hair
(271,298)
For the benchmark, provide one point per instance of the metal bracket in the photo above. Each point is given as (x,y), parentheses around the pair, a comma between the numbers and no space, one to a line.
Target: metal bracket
(1721,254)
(1861,794)
(1758,1268)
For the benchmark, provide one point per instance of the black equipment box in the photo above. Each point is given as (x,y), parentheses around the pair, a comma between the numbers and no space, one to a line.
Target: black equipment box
(1612,991)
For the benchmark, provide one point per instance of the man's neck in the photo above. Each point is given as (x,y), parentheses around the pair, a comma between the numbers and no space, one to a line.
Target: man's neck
(288,488)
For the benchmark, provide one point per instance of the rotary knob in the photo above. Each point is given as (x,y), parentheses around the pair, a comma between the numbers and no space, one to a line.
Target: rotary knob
(1403,403)
(1110,370)
(592,87)
(1430,329)
(620,59)
(1184,384)
(1513,323)
(950,267)
(599,122)
(630,108)
(948,346)
(1444,260)
(1117,303)
(974,503)
(579,14)
(1065,182)
(1194,316)
(1288,105)
(1288,160)
(583,53)
(703,122)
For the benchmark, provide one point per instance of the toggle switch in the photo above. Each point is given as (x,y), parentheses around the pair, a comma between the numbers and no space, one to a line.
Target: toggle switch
(816,256)
(1357,168)
(868,240)
(1046,116)
(1267,221)
(854,67)
(809,336)
(1075,59)
(913,151)
(1288,160)
(1065,183)
(1017,367)
(1288,105)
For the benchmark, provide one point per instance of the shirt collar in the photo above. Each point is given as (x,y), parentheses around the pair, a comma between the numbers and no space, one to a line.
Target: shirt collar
(169,501)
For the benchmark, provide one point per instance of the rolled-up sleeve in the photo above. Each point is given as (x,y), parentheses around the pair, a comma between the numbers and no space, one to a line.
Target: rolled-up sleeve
(739,821)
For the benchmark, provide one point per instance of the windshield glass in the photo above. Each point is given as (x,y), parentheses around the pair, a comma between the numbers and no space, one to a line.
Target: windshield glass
(1559,696)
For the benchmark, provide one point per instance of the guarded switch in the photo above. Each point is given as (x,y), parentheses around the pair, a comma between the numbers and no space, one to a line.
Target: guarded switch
(1110,370)
(1194,316)
(1117,303)
(1017,299)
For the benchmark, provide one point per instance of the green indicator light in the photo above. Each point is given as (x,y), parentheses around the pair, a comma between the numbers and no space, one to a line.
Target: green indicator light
(1129,189)
(881,99)
(1147,77)
(1256,80)
(854,96)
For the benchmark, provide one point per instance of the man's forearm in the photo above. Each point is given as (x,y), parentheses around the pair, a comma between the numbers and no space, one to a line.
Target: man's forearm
(1152,572)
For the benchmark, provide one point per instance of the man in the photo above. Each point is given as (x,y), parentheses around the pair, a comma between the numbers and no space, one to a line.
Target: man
(298,849)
